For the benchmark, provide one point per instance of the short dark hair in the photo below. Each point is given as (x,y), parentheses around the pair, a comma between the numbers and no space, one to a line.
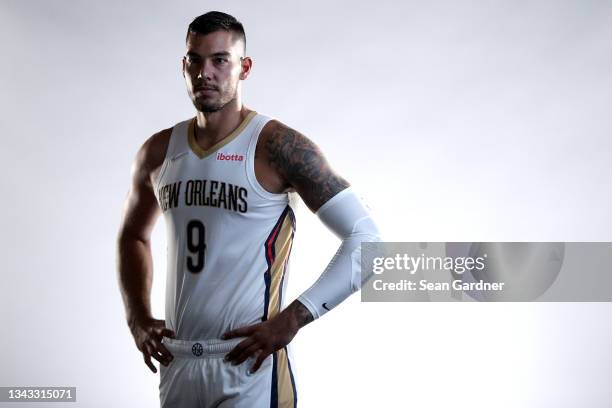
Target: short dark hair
(215,21)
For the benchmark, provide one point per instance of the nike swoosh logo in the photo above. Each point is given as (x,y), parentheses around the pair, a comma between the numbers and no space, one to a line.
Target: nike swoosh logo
(325,307)
(178,156)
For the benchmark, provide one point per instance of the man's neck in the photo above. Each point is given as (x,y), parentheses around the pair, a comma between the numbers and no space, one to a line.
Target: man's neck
(214,126)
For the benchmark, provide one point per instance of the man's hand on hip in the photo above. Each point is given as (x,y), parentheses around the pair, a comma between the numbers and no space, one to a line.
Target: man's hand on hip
(148,333)
(266,337)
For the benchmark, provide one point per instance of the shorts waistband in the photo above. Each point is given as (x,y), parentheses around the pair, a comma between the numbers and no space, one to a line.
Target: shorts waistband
(200,348)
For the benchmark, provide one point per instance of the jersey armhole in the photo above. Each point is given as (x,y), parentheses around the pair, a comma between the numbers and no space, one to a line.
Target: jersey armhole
(250,163)
(159,176)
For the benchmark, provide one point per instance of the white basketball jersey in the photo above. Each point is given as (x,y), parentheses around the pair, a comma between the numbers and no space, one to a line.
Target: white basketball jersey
(228,239)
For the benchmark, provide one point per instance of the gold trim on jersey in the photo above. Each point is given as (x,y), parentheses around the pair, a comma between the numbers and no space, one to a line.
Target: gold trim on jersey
(282,248)
(283,392)
(284,388)
(202,153)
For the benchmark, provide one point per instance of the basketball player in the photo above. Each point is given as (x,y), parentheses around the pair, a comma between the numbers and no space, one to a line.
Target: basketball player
(224,181)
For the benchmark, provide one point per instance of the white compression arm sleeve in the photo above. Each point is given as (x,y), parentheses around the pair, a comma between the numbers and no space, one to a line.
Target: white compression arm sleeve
(349,219)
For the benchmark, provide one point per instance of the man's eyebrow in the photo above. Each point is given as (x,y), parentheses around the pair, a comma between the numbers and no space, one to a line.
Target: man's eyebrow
(221,54)
(215,54)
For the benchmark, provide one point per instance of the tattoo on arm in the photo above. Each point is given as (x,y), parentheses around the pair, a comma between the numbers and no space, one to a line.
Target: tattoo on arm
(301,164)
(299,314)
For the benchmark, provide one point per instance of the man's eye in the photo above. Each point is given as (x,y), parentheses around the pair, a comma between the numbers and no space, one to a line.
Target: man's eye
(220,60)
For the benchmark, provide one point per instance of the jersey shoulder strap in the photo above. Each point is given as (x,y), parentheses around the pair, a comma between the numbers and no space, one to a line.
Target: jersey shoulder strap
(176,147)
(178,140)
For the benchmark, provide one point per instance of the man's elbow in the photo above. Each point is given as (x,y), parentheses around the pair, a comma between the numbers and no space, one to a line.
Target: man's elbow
(128,237)
(367,230)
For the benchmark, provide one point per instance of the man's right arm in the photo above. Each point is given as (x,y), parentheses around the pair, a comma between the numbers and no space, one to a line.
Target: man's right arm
(134,259)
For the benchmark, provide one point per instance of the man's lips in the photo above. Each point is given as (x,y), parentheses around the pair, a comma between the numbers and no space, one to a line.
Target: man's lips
(205,89)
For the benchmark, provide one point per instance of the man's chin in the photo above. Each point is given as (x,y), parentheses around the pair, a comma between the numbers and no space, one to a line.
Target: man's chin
(207,107)
(210,109)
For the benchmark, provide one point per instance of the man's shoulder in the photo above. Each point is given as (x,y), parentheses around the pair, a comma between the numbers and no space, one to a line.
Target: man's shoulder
(152,153)
(160,140)
(276,134)
(275,125)
(271,128)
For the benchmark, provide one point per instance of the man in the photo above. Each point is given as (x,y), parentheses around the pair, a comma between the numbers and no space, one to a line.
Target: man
(223,181)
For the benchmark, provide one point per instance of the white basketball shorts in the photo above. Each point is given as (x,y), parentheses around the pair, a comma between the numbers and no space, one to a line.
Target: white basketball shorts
(198,377)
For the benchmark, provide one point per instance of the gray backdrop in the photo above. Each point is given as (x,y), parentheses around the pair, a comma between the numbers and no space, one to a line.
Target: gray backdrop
(456,120)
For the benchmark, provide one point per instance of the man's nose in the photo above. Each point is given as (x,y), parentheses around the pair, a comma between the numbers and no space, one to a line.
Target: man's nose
(205,71)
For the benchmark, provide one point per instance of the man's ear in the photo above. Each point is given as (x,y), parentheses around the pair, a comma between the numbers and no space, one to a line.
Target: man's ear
(183,66)
(246,65)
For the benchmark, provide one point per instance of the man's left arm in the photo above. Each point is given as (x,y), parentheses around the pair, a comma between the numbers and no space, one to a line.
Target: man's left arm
(301,164)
